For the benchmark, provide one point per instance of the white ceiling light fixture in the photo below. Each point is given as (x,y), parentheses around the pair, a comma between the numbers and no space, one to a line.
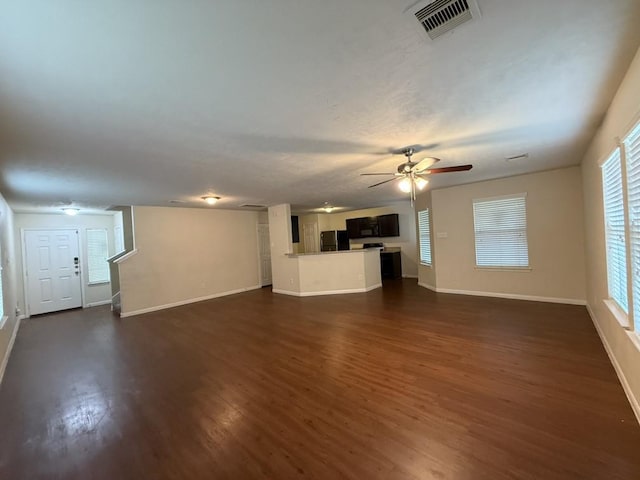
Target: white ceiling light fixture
(71,211)
(210,199)
(405,184)
(411,174)
(420,182)
(327,208)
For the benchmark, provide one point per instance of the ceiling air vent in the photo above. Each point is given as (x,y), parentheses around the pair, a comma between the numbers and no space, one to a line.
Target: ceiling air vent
(441,16)
(250,205)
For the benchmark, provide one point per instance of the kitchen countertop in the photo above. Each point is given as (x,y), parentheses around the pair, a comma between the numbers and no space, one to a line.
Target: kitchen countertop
(340,252)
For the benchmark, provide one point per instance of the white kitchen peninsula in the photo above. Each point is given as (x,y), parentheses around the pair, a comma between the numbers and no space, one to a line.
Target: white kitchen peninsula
(331,273)
(325,273)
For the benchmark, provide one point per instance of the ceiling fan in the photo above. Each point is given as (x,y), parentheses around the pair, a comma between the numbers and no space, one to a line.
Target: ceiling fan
(412,174)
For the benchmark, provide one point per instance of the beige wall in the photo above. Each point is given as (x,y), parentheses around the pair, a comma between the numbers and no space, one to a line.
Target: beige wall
(624,349)
(10,280)
(284,270)
(554,232)
(187,254)
(124,219)
(92,294)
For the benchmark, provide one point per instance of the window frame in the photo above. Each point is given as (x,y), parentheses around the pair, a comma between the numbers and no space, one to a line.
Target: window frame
(102,280)
(426,235)
(628,319)
(3,316)
(517,268)
(619,310)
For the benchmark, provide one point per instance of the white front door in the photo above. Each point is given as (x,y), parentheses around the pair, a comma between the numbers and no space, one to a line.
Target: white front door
(264,249)
(52,261)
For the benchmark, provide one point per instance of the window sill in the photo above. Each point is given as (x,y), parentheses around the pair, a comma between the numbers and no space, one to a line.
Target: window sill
(504,269)
(621,317)
(95,284)
(635,339)
(3,321)
(428,265)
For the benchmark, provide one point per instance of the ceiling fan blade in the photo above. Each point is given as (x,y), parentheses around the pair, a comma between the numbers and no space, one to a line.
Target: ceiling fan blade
(425,163)
(381,183)
(377,174)
(458,168)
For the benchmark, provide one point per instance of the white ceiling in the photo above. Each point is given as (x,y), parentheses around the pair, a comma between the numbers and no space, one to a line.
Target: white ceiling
(121,102)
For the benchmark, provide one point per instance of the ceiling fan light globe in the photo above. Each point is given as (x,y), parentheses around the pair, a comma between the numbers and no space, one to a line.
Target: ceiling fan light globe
(405,185)
(421,183)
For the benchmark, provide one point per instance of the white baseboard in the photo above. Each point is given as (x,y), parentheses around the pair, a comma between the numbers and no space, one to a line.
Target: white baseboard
(426,285)
(635,404)
(188,301)
(512,296)
(12,340)
(286,292)
(327,292)
(97,304)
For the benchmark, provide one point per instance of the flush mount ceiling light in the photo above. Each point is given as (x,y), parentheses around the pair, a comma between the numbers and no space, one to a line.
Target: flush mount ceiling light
(327,208)
(71,211)
(210,199)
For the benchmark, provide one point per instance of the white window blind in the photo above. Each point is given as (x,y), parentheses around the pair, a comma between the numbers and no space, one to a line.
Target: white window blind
(1,297)
(424,228)
(501,232)
(615,230)
(97,254)
(632,152)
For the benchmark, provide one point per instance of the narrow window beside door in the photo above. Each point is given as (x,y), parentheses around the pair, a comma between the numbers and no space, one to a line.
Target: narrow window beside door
(615,230)
(2,316)
(424,227)
(632,151)
(97,254)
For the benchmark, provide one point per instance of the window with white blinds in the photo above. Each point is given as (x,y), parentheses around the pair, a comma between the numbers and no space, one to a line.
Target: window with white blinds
(424,229)
(615,230)
(97,254)
(1,297)
(632,153)
(501,232)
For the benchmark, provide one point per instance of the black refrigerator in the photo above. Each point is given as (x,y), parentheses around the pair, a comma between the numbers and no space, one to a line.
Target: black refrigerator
(333,240)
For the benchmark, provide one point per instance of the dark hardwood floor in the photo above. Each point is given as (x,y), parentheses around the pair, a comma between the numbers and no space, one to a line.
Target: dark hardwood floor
(397,383)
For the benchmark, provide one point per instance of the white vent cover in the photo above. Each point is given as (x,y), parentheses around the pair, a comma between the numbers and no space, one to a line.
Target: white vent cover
(252,205)
(441,16)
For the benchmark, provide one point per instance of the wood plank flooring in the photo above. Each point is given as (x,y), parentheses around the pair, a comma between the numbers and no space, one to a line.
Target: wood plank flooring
(397,383)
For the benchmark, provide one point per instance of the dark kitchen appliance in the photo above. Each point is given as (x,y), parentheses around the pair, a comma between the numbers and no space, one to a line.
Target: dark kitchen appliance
(332,240)
(390,260)
(390,263)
